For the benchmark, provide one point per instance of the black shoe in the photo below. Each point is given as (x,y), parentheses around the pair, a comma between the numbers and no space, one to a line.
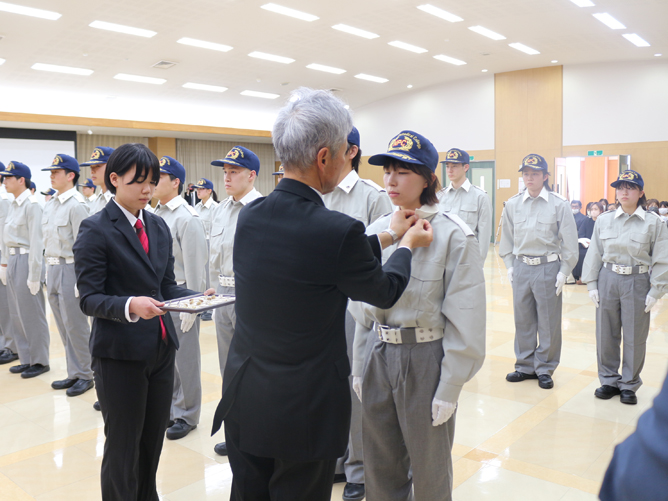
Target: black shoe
(206,316)
(606,392)
(63,384)
(517,376)
(628,397)
(170,423)
(18,369)
(339,478)
(353,492)
(545,381)
(80,387)
(220,449)
(96,406)
(35,370)
(8,356)
(179,429)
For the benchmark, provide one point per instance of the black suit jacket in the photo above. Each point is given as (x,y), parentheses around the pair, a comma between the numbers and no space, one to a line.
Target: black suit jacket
(296,263)
(111,266)
(579,219)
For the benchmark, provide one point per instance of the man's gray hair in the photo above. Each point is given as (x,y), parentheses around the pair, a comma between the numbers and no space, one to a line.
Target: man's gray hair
(312,120)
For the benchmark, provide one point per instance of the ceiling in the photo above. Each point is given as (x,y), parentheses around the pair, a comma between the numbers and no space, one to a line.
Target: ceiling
(557,28)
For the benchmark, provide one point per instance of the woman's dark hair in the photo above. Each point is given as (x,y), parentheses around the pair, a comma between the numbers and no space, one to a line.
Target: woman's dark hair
(589,205)
(663,204)
(131,155)
(597,204)
(642,202)
(358,157)
(604,200)
(171,178)
(428,196)
(653,201)
(213,194)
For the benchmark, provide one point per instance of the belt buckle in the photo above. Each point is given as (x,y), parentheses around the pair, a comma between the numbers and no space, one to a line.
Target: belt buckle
(380,330)
(532,261)
(621,269)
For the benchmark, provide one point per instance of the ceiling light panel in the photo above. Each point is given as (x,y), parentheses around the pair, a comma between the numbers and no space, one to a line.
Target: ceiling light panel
(327,69)
(523,48)
(29,11)
(435,11)
(487,33)
(371,78)
(120,28)
(139,79)
(355,31)
(204,45)
(62,69)
(407,46)
(636,40)
(583,3)
(297,14)
(271,57)
(263,95)
(451,60)
(210,88)
(609,21)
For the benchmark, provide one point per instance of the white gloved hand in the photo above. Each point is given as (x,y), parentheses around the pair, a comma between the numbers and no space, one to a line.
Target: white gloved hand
(649,303)
(187,320)
(76,291)
(510,275)
(34,287)
(441,411)
(561,280)
(357,386)
(3,275)
(585,242)
(593,295)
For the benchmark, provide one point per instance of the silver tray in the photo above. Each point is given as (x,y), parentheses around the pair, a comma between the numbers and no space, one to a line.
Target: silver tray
(175,304)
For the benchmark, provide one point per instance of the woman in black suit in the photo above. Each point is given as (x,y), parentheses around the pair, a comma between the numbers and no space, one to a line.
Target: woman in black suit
(585,232)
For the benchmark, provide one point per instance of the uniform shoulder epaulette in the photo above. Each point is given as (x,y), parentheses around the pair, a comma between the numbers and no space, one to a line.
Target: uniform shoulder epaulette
(654,214)
(371,183)
(79,197)
(192,210)
(558,195)
(4,196)
(460,222)
(33,199)
(479,188)
(521,193)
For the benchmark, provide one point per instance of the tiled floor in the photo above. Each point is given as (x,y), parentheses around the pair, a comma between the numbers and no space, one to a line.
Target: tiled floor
(513,441)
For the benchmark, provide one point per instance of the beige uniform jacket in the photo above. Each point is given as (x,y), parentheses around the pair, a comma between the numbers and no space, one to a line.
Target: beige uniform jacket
(23,229)
(60,223)
(359,198)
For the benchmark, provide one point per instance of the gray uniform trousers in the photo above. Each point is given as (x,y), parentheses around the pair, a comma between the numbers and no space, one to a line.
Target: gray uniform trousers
(187,396)
(6,324)
(622,306)
(405,457)
(28,313)
(352,462)
(537,310)
(225,318)
(71,322)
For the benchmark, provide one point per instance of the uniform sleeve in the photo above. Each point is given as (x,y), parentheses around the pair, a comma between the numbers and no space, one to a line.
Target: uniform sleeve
(195,254)
(379,207)
(659,276)
(36,253)
(79,213)
(507,236)
(568,234)
(593,260)
(484,226)
(362,335)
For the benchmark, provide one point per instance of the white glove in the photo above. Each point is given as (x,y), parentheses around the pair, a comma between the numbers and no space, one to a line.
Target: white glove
(510,275)
(3,275)
(34,287)
(187,321)
(593,295)
(76,291)
(561,280)
(649,303)
(441,411)
(357,386)
(585,242)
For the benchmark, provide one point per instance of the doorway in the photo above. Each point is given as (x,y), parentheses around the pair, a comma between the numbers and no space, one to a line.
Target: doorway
(588,178)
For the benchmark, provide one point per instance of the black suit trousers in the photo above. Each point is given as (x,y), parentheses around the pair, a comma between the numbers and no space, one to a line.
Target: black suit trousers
(135,398)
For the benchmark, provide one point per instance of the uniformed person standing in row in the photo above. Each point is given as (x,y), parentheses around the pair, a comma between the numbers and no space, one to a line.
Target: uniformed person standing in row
(60,227)
(98,163)
(280,173)
(48,194)
(24,268)
(365,201)
(88,190)
(206,205)
(241,168)
(626,272)
(190,254)
(468,201)
(8,351)
(539,245)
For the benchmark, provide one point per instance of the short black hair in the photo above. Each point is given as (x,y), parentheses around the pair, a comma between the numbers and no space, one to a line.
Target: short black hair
(76,178)
(26,181)
(132,155)
(663,204)
(172,177)
(428,195)
(576,202)
(604,200)
(358,157)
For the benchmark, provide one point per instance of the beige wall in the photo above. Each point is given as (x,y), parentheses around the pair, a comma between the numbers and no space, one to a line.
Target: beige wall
(86,143)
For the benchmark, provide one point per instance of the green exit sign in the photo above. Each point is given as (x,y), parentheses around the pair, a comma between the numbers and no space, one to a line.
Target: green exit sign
(471,157)
(596,153)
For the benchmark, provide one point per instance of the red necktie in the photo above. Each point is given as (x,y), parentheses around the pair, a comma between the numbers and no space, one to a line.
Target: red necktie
(143,239)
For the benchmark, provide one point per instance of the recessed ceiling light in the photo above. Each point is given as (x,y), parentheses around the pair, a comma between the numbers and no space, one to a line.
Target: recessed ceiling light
(583,3)
(328,69)
(2,61)
(448,59)
(371,78)
(523,48)
(62,69)
(484,71)
(409,86)
(210,88)
(554,61)
(435,11)
(636,40)
(355,31)
(137,78)
(487,33)
(29,11)
(271,57)
(655,55)
(263,95)
(119,28)
(609,21)
(279,9)
(407,46)
(204,45)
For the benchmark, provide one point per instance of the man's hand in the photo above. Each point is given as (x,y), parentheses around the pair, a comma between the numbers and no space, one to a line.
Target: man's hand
(649,303)
(402,220)
(209,292)
(187,321)
(419,235)
(357,386)
(593,295)
(510,275)
(34,287)
(561,281)
(441,411)
(145,307)
(3,274)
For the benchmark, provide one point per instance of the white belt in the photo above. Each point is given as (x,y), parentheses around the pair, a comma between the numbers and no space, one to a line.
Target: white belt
(54,261)
(623,269)
(226,281)
(21,250)
(410,335)
(534,261)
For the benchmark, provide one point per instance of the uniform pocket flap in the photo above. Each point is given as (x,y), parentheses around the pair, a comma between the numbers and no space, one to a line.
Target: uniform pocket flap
(641,238)
(427,271)
(469,207)
(608,233)
(547,218)
(216,229)
(520,218)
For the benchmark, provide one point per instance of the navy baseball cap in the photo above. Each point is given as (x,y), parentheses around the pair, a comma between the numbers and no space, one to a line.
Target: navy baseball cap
(535,162)
(204,183)
(457,156)
(2,166)
(88,184)
(48,192)
(629,176)
(100,156)
(241,157)
(17,169)
(169,165)
(354,137)
(409,147)
(33,186)
(66,162)
(279,172)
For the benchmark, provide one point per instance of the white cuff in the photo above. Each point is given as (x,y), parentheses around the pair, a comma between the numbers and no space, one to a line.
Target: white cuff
(130,317)
(406,247)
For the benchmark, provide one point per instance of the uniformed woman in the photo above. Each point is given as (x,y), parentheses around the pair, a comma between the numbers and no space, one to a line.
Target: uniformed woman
(626,271)
(539,246)
(424,348)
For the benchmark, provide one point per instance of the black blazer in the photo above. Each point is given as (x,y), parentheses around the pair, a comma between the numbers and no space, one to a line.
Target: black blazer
(296,263)
(111,266)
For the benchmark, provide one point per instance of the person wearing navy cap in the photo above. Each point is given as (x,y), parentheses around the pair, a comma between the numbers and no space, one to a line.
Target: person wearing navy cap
(48,194)
(626,272)
(88,190)
(539,246)
(190,258)
(280,173)
(8,350)
(60,227)
(98,164)
(410,361)
(241,167)
(208,202)
(467,200)
(22,268)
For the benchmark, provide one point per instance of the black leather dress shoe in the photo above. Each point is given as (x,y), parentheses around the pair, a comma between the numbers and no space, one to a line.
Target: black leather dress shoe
(353,492)
(18,369)
(606,392)
(80,387)
(170,423)
(545,381)
(628,397)
(96,406)
(220,449)
(179,429)
(63,384)
(517,376)
(35,370)
(8,356)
